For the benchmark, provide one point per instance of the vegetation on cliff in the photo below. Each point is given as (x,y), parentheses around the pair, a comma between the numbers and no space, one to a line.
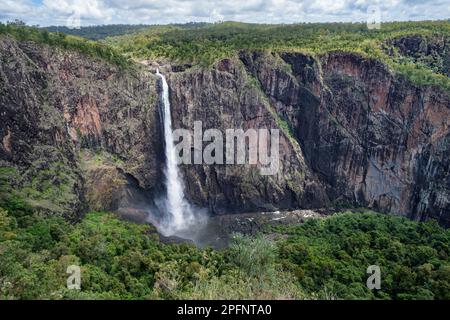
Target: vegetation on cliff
(211,42)
(203,43)
(92,48)
(319,259)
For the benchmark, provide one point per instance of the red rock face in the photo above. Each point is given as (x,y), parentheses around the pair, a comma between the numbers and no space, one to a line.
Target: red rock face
(6,143)
(366,136)
(353,133)
(373,138)
(54,103)
(86,119)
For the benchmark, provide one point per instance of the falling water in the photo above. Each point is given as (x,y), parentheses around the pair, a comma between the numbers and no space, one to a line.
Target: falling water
(179,212)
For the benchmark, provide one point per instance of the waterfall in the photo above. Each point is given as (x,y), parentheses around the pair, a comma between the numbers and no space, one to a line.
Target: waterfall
(179,212)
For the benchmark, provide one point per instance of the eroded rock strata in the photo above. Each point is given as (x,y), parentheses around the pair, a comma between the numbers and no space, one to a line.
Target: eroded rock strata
(352,132)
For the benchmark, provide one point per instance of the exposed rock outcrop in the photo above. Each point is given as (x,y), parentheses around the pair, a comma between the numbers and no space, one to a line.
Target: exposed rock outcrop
(352,132)
(227,97)
(53,103)
(373,138)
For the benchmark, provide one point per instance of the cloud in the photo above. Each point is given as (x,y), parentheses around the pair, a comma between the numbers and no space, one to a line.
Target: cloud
(48,12)
(15,7)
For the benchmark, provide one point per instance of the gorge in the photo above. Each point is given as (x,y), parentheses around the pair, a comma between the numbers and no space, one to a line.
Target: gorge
(352,133)
(89,171)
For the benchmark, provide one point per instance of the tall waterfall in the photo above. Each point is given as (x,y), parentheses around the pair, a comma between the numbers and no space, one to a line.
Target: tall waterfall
(179,212)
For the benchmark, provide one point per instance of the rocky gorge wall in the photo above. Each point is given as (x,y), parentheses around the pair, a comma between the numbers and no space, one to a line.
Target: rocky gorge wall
(371,137)
(358,134)
(227,97)
(55,104)
(83,134)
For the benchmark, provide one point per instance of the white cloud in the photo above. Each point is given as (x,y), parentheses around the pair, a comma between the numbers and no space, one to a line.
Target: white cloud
(11,9)
(48,12)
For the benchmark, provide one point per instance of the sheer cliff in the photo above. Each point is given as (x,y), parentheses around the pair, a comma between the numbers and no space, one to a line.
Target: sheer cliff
(55,104)
(371,137)
(77,132)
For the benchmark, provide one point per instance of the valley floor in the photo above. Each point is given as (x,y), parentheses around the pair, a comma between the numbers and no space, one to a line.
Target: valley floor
(323,258)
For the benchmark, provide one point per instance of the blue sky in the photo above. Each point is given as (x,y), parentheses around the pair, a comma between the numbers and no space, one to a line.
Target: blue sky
(60,12)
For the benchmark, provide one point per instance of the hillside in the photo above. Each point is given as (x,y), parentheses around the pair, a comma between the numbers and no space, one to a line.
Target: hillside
(97,32)
(64,41)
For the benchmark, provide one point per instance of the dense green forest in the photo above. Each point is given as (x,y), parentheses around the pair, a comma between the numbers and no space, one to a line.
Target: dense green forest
(69,42)
(320,259)
(214,40)
(332,255)
(208,43)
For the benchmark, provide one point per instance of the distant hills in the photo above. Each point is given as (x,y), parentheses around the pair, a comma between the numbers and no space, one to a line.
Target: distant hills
(111,30)
(98,32)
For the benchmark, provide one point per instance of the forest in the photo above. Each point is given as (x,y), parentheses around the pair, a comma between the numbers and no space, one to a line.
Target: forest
(206,44)
(64,41)
(320,259)
(98,32)
(111,30)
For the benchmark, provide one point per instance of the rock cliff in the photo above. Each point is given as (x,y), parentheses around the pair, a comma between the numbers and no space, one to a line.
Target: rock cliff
(55,103)
(353,132)
(371,137)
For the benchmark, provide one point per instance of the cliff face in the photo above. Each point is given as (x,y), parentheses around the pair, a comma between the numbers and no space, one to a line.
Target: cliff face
(352,132)
(54,104)
(361,135)
(227,97)
(372,138)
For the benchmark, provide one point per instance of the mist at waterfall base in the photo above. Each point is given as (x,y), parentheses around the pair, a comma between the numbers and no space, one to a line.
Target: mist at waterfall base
(173,215)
